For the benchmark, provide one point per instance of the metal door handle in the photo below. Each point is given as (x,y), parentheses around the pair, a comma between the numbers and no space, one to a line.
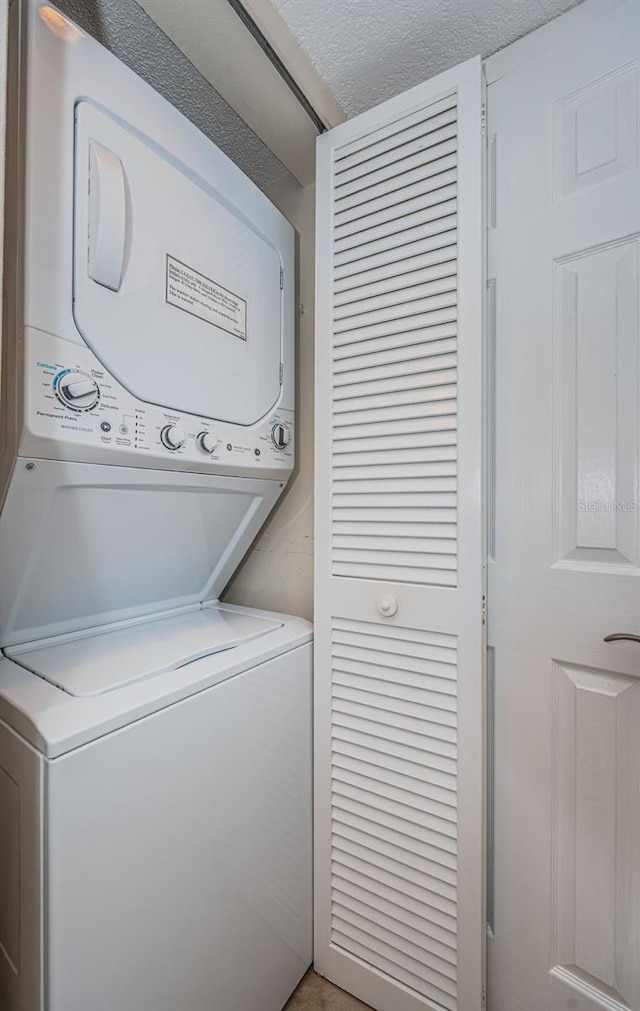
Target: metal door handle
(617,636)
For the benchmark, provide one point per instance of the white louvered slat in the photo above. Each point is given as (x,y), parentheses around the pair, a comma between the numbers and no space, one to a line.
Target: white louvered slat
(417,840)
(381,527)
(407,184)
(376,742)
(391,542)
(359,185)
(383,450)
(393,809)
(390,960)
(402,925)
(409,408)
(411,378)
(380,242)
(441,970)
(392,468)
(392,138)
(437,338)
(385,213)
(420,192)
(412,673)
(384,900)
(426,674)
(428,329)
(358,747)
(398,883)
(420,143)
(397,283)
(442,251)
(394,869)
(436,952)
(367,390)
(437,233)
(431,434)
(428,356)
(362,310)
(390,689)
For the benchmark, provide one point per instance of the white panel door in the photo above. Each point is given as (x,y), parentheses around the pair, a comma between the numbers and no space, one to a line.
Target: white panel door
(563,268)
(399,551)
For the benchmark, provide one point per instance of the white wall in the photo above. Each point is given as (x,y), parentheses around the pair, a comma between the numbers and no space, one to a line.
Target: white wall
(278,571)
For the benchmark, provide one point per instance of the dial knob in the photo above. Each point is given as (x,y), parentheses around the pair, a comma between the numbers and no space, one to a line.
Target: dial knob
(207,442)
(280,436)
(77,390)
(173,437)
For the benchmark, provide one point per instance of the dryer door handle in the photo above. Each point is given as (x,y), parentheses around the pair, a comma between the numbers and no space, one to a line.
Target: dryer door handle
(107,216)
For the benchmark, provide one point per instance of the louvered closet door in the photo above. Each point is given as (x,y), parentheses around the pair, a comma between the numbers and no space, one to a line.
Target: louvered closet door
(399,551)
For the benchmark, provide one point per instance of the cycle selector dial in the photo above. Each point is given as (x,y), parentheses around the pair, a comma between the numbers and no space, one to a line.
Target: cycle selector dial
(173,437)
(280,436)
(77,390)
(207,442)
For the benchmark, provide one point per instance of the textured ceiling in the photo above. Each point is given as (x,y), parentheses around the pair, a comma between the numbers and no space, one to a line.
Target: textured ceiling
(124,28)
(369,50)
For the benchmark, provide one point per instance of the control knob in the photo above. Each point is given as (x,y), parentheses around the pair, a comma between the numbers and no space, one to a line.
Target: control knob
(173,437)
(280,436)
(77,390)
(207,442)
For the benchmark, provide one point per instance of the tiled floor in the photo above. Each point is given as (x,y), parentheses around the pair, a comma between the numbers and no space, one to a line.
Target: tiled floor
(316,994)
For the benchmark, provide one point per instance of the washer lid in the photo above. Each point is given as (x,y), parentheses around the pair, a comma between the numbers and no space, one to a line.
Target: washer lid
(99,663)
(83,546)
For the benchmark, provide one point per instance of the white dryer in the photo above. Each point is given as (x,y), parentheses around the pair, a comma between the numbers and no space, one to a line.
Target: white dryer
(155,744)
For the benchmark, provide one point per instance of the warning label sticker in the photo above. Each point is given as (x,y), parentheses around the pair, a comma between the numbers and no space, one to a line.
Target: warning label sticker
(200,296)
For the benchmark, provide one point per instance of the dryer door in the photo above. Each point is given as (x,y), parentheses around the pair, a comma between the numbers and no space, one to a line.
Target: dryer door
(174,291)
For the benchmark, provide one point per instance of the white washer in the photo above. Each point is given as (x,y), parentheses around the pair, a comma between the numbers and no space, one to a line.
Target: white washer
(155,745)
(155,837)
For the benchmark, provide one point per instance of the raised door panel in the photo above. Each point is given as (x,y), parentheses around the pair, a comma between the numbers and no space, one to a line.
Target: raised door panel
(596,411)
(596,832)
(596,132)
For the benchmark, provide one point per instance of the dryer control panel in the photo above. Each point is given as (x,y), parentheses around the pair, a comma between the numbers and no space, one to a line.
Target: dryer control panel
(75,410)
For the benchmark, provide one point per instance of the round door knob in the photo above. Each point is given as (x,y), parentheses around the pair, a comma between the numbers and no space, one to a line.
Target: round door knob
(77,390)
(387,606)
(280,436)
(207,442)
(173,437)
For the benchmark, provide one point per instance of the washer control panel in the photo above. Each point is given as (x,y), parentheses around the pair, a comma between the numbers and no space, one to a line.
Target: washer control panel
(82,413)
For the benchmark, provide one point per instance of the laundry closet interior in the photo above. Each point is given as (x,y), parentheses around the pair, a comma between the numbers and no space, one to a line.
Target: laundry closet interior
(320,505)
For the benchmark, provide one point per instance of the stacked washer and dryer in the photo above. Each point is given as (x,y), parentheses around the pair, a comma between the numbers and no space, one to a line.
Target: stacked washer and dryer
(155,744)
